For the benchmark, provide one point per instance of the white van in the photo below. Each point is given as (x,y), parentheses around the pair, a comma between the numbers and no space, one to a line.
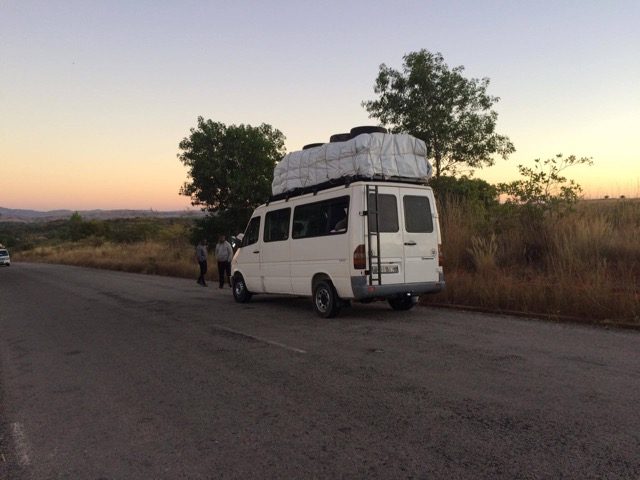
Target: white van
(359,241)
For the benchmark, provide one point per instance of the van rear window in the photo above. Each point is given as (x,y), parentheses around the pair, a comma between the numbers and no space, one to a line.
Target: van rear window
(387,213)
(328,217)
(417,214)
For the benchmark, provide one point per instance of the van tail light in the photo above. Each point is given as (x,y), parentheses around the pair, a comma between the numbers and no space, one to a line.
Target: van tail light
(440,256)
(359,258)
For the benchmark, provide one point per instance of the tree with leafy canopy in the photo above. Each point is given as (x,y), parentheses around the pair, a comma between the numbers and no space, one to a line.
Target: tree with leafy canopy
(230,169)
(437,104)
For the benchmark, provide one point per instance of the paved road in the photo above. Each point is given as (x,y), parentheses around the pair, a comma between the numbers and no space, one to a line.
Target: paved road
(108,375)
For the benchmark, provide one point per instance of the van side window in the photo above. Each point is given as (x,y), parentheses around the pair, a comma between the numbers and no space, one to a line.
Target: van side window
(252,233)
(417,214)
(328,217)
(387,213)
(276,225)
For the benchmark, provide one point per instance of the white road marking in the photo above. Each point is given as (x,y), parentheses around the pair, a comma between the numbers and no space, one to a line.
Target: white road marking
(259,339)
(22,447)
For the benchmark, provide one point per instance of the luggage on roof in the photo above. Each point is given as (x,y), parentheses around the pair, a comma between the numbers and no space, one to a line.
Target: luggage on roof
(381,156)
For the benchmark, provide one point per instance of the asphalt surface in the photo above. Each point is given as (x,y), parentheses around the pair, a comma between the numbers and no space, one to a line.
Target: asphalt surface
(108,375)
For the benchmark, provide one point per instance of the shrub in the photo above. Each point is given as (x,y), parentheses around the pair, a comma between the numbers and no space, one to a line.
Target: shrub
(543,188)
(465,189)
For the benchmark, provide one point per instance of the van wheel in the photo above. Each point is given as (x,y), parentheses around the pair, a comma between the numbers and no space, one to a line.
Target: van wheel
(401,303)
(325,300)
(240,292)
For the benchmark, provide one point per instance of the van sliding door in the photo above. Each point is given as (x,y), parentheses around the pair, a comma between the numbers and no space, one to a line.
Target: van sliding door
(275,265)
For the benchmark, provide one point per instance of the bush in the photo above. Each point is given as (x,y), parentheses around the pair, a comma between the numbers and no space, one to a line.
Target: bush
(465,189)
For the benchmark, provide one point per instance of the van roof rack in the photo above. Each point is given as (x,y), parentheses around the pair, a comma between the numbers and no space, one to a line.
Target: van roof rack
(346,181)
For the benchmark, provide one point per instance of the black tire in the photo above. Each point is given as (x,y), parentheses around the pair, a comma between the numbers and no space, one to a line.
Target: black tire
(355,131)
(240,292)
(312,145)
(404,302)
(339,137)
(325,300)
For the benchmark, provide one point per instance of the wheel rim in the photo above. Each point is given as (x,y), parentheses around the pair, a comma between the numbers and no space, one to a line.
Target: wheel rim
(239,287)
(323,299)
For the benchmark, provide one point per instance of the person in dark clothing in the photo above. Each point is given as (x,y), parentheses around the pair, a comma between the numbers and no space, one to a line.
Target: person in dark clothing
(201,257)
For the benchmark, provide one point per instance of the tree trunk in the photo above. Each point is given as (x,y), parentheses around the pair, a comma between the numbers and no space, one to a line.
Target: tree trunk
(437,155)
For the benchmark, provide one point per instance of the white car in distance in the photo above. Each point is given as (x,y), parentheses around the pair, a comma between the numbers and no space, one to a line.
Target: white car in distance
(5,259)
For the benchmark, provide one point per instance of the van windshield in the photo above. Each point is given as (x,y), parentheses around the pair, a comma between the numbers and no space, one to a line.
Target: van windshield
(4,253)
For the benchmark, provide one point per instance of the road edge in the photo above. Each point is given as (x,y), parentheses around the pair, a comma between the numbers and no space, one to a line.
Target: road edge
(9,467)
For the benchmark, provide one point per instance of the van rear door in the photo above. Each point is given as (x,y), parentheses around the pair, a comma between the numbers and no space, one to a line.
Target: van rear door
(420,236)
(408,231)
(390,233)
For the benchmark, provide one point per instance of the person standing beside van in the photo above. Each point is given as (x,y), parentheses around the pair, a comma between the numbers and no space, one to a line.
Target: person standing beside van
(201,258)
(224,254)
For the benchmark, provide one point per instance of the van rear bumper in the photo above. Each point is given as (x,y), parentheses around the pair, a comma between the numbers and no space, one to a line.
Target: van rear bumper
(363,290)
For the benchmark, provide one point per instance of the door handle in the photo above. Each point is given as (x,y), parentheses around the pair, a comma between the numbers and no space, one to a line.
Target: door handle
(411,243)
(256,251)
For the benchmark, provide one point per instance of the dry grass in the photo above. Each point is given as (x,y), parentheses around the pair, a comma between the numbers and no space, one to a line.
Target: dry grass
(152,257)
(484,254)
(585,264)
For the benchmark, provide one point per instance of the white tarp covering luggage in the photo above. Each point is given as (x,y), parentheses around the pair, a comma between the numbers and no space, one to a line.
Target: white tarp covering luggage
(369,155)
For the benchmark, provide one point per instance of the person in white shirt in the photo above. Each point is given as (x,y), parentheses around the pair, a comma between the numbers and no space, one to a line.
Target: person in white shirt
(224,254)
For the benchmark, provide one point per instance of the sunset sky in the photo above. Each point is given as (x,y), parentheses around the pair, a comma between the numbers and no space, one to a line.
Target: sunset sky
(95,96)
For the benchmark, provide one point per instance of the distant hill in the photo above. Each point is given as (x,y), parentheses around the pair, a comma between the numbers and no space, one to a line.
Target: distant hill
(18,215)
